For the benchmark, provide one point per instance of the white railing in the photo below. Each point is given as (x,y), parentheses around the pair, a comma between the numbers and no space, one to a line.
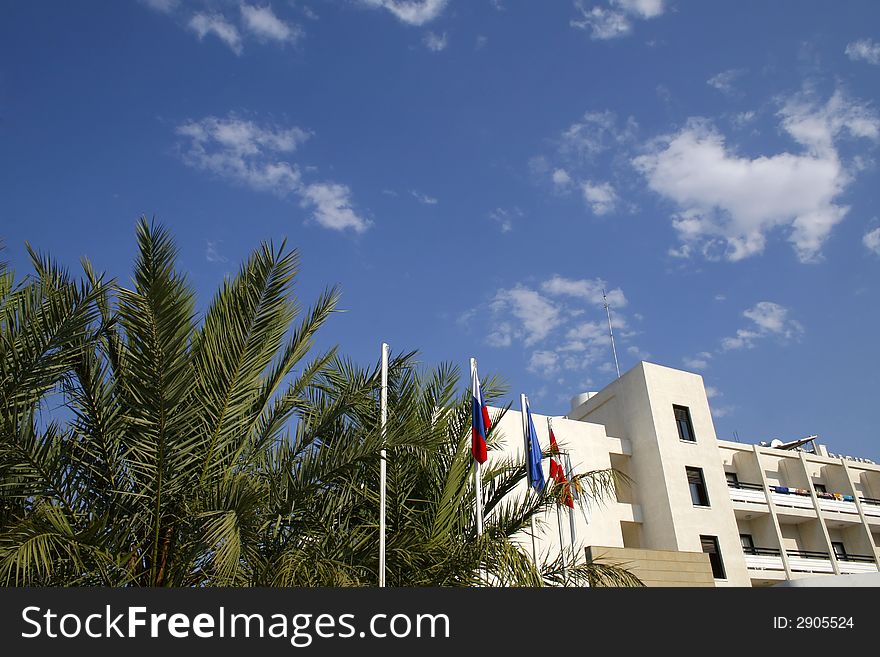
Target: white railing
(792,500)
(849,567)
(746,495)
(763,562)
(837,505)
(871,509)
(808,565)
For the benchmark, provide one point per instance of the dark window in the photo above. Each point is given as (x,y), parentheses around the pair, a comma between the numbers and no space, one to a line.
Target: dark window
(747,543)
(732,479)
(839,550)
(710,547)
(683,422)
(698,486)
(820,488)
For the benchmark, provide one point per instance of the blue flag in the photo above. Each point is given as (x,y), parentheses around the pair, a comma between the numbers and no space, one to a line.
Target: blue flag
(533,454)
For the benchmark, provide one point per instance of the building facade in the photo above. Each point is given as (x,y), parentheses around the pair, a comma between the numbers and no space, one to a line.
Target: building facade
(701,511)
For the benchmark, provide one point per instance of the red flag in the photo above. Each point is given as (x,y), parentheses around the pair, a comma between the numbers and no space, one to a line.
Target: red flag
(557,472)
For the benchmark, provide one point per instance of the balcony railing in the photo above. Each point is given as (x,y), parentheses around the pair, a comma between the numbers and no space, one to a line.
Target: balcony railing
(742,485)
(807,554)
(856,558)
(871,506)
(814,561)
(741,491)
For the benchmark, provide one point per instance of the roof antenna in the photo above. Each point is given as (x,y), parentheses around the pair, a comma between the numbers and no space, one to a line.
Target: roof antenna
(610,331)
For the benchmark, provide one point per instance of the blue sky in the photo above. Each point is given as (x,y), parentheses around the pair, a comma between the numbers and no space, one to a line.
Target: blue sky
(473,173)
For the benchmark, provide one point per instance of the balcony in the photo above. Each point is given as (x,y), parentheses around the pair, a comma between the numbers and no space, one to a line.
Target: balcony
(743,492)
(871,506)
(837,503)
(796,498)
(856,563)
(806,561)
(758,558)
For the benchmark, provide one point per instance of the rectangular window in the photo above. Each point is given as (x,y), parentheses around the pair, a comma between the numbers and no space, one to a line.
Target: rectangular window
(710,547)
(820,488)
(747,543)
(683,422)
(732,479)
(697,484)
(839,550)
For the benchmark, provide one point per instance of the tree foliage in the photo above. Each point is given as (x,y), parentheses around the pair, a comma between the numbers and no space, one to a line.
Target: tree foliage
(144,444)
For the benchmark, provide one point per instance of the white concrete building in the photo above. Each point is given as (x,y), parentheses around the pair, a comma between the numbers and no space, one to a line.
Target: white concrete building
(701,511)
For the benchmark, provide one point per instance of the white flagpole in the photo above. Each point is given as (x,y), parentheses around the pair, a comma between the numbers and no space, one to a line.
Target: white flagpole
(525,420)
(611,331)
(383,418)
(478,470)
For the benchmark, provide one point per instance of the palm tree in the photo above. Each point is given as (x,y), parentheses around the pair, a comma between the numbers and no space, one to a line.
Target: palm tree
(143,445)
(431,526)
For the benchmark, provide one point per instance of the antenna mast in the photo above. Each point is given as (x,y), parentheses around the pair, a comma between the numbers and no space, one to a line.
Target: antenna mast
(610,331)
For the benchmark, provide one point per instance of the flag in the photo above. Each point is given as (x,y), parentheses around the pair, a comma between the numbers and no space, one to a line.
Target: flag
(557,471)
(480,422)
(555,468)
(533,455)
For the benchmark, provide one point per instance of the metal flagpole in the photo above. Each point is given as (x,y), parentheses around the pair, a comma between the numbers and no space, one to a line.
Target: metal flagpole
(557,454)
(610,331)
(383,418)
(525,420)
(568,475)
(478,470)
(561,543)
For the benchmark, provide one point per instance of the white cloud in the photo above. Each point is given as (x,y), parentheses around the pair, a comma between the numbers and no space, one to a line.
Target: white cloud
(729,203)
(164,6)
(616,21)
(742,119)
(545,363)
(561,179)
(641,8)
(244,152)
(501,335)
(722,411)
(265,25)
(816,126)
(865,50)
(411,12)
(249,154)
(698,362)
(723,81)
(600,196)
(212,254)
(435,42)
(536,314)
(872,240)
(588,289)
(603,24)
(423,198)
(504,218)
(205,24)
(768,319)
(595,133)
(552,330)
(712,392)
(333,207)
